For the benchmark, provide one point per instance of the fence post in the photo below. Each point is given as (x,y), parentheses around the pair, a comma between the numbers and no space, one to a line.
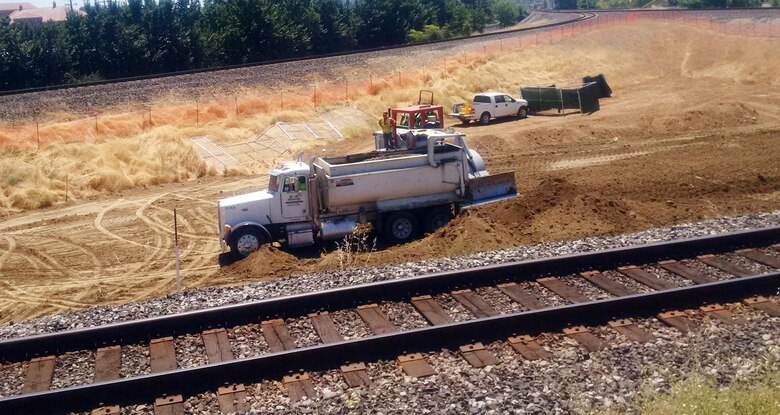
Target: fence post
(281,100)
(197,111)
(38,136)
(67,184)
(236,100)
(176,245)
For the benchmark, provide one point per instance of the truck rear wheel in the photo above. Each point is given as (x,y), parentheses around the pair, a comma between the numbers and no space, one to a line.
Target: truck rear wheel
(484,119)
(400,227)
(437,218)
(245,241)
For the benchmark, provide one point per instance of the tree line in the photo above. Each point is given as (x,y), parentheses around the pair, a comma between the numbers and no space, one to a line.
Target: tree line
(141,37)
(691,4)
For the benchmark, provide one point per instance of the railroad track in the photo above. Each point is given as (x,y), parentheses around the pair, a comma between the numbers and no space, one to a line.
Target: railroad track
(578,16)
(401,320)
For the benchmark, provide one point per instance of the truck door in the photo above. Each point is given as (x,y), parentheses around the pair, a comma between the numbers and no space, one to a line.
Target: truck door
(501,106)
(295,197)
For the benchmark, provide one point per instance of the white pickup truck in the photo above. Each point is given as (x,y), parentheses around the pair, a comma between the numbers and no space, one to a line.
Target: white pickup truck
(489,105)
(401,192)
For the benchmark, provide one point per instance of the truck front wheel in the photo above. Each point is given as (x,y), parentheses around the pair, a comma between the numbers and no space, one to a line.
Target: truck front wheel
(400,227)
(245,241)
(522,112)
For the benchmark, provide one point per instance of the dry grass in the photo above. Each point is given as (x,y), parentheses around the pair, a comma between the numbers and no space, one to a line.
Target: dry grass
(700,395)
(128,151)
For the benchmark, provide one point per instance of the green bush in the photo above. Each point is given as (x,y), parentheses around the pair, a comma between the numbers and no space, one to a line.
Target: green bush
(429,32)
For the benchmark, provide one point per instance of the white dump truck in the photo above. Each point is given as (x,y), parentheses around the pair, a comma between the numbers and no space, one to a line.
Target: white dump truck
(401,192)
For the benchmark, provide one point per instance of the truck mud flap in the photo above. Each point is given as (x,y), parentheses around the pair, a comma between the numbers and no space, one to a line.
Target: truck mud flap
(491,188)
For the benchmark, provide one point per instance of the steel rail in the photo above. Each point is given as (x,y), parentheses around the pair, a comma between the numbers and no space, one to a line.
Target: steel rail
(328,356)
(398,289)
(581,16)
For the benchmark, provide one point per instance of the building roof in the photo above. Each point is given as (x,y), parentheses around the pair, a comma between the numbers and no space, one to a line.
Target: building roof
(56,14)
(10,7)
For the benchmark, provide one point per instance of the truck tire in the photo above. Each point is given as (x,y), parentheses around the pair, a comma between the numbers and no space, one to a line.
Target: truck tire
(400,227)
(522,112)
(437,218)
(246,240)
(484,119)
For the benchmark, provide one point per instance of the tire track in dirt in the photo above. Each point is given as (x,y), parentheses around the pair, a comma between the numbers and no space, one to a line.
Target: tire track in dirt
(8,251)
(97,266)
(20,295)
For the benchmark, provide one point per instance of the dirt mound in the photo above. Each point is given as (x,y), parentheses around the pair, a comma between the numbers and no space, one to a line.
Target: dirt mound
(266,263)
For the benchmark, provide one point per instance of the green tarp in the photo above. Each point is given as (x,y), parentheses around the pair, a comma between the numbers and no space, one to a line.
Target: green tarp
(584,98)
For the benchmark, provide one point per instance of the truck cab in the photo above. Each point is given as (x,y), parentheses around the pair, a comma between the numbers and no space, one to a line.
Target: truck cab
(269,214)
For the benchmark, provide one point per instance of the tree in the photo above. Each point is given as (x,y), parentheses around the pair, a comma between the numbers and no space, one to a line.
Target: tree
(586,4)
(507,12)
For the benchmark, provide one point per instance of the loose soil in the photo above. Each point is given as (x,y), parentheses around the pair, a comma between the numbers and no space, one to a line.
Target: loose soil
(692,132)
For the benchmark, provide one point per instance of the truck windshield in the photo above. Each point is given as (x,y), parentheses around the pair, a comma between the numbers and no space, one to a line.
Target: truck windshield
(273,184)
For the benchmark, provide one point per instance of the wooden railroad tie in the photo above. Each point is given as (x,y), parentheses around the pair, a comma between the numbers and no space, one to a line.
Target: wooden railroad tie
(760,257)
(354,374)
(528,347)
(563,290)
(477,355)
(375,319)
(108,361)
(686,272)
(106,410)
(521,296)
(39,374)
(721,313)
(725,265)
(231,398)
(169,405)
(607,284)
(162,355)
(678,319)
(627,328)
(415,365)
(278,338)
(217,345)
(431,310)
(299,386)
(643,277)
(474,303)
(764,304)
(585,338)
